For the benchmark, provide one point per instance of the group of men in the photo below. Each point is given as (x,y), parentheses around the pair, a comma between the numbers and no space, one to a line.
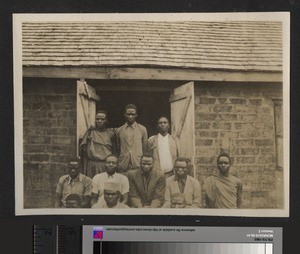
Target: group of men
(125,169)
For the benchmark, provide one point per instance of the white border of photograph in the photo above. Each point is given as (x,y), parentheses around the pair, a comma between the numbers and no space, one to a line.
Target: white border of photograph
(18,19)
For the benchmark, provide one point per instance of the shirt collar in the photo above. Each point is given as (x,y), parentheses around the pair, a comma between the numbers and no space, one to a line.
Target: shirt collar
(219,175)
(177,179)
(78,178)
(111,176)
(143,174)
(132,125)
(161,136)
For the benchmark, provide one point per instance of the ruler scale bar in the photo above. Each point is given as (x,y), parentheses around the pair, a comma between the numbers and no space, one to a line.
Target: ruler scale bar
(69,239)
(44,239)
(61,239)
(57,239)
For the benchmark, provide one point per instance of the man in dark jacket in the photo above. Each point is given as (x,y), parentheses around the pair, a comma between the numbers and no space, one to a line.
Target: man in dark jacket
(146,186)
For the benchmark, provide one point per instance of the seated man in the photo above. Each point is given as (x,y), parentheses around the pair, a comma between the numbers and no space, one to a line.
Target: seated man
(178,200)
(181,182)
(73,183)
(111,166)
(72,201)
(111,197)
(223,190)
(146,186)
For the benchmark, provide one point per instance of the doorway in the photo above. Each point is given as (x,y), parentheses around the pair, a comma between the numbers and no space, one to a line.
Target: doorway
(176,103)
(150,104)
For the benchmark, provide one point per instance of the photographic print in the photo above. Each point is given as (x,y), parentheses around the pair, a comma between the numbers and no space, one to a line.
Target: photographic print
(180,114)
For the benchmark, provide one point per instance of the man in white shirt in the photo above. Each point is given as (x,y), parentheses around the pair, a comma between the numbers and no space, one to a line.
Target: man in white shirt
(163,148)
(111,165)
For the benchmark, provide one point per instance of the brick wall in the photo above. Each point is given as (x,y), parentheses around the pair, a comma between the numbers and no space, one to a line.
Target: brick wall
(239,119)
(236,118)
(49,119)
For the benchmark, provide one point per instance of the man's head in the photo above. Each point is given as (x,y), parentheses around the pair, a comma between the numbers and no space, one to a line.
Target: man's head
(223,163)
(181,167)
(73,201)
(111,164)
(130,113)
(177,200)
(74,168)
(163,125)
(147,163)
(111,193)
(101,119)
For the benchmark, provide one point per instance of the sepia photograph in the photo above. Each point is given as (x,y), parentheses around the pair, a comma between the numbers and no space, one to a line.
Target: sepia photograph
(152,114)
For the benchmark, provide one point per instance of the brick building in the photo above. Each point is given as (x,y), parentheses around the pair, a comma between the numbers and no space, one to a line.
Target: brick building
(219,82)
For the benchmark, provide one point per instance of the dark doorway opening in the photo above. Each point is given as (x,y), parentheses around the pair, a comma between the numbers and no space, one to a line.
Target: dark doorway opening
(150,105)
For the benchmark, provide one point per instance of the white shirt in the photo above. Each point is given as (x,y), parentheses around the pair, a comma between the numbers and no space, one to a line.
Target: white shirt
(164,153)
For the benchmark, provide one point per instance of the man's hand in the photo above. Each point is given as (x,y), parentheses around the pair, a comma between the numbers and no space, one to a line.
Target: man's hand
(92,127)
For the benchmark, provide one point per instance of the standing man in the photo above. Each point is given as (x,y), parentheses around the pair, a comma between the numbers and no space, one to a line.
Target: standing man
(223,190)
(163,147)
(132,140)
(98,142)
(181,182)
(111,197)
(146,186)
(73,183)
(111,166)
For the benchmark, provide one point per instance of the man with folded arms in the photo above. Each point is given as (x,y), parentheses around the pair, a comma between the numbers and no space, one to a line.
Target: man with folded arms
(223,190)
(98,142)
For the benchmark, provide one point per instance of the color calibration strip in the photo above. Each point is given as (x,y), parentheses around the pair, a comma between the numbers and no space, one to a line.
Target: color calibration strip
(180,248)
